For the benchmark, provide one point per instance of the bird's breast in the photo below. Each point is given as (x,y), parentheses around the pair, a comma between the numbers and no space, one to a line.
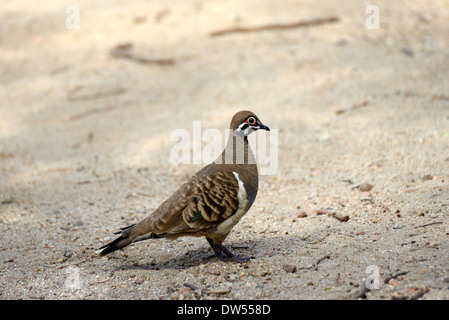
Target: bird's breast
(224,227)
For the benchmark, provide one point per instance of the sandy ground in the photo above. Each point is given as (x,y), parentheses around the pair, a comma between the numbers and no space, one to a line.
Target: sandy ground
(363,122)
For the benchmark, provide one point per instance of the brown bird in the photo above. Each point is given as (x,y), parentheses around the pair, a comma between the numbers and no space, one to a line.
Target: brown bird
(211,202)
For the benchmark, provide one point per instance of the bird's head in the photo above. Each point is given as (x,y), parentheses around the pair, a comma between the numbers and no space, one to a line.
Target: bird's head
(245,122)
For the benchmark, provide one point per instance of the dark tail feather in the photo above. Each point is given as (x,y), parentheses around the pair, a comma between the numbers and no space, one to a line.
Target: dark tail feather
(118,243)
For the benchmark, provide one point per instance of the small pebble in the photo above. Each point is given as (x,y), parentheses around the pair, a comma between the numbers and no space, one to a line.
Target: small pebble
(302,214)
(433,245)
(365,187)
(289,268)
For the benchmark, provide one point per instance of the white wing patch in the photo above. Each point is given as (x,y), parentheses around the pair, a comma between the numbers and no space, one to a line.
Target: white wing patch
(229,223)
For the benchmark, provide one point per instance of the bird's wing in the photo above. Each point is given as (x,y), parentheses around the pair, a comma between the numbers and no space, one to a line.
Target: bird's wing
(205,203)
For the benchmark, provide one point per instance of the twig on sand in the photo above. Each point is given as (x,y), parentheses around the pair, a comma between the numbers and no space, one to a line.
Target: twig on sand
(74,96)
(339,217)
(319,240)
(77,263)
(429,224)
(275,26)
(95,181)
(91,112)
(315,266)
(218,291)
(394,276)
(123,51)
(353,107)
(191,286)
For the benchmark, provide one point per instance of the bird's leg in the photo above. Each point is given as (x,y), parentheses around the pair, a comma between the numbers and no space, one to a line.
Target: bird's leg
(222,252)
(231,255)
(220,255)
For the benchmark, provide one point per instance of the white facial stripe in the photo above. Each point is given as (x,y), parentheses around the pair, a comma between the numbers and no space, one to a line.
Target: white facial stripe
(248,128)
(240,128)
(242,131)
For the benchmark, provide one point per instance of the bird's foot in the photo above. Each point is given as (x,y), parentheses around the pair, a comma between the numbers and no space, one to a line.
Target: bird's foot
(223,253)
(232,256)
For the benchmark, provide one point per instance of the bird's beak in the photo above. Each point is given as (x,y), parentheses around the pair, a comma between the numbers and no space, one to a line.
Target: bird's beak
(264,127)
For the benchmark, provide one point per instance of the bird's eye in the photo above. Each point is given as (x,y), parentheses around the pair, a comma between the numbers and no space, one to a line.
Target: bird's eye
(251,121)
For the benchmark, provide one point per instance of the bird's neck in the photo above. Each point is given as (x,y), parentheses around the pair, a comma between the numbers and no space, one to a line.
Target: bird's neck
(237,151)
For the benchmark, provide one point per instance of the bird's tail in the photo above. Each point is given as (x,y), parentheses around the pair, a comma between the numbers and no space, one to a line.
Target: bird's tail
(125,238)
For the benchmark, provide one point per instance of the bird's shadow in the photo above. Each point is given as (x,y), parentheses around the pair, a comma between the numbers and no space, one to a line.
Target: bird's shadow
(183,261)
(261,247)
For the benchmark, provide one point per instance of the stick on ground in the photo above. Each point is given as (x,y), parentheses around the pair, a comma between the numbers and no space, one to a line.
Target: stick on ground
(275,26)
(123,51)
